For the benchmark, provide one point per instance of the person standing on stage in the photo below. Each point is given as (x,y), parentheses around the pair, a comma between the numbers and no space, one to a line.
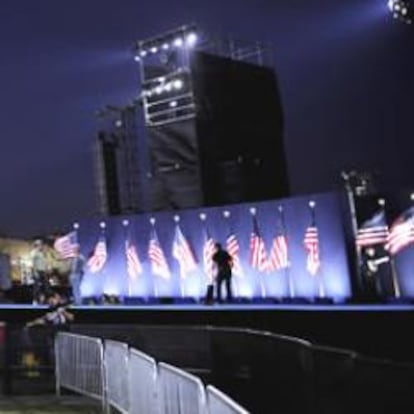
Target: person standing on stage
(223,262)
(77,264)
(39,268)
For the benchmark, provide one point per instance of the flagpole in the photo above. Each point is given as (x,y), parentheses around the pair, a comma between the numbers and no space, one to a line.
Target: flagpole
(321,287)
(203,218)
(154,279)
(354,225)
(288,276)
(394,275)
(226,215)
(102,226)
(182,284)
(125,224)
(256,230)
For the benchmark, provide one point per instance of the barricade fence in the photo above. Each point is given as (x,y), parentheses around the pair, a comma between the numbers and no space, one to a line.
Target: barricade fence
(220,403)
(142,381)
(79,365)
(116,358)
(131,381)
(179,391)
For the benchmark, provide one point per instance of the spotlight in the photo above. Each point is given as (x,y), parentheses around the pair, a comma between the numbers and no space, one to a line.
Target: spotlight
(173,104)
(165,46)
(143,53)
(154,50)
(168,87)
(178,42)
(191,39)
(137,58)
(400,9)
(178,84)
(158,90)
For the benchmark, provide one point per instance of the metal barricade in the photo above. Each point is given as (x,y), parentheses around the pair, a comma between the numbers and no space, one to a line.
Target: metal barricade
(116,375)
(79,365)
(142,383)
(220,403)
(180,392)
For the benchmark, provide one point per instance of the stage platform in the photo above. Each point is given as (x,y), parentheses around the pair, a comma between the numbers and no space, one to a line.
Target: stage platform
(380,330)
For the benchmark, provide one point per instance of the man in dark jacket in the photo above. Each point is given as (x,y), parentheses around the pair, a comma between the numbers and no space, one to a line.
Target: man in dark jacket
(223,262)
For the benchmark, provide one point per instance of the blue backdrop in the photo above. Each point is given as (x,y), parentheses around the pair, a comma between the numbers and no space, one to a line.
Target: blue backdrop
(333,273)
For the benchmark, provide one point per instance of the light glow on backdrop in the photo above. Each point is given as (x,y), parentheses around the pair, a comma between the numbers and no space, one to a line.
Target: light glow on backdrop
(221,221)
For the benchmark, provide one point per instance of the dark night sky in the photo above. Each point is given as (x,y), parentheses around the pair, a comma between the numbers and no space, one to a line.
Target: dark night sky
(345,70)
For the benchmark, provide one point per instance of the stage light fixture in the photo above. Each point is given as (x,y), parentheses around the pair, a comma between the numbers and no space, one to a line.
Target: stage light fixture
(173,104)
(143,53)
(178,42)
(168,87)
(178,84)
(154,49)
(165,46)
(191,39)
(158,90)
(137,58)
(400,10)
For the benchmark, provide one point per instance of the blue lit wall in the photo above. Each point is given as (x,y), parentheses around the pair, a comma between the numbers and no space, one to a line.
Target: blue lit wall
(333,274)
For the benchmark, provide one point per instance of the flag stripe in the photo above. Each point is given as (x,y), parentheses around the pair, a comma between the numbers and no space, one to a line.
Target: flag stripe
(183,253)
(311,243)
(66,245)
(157,258)
(98,259)
(233,250)
(134,267)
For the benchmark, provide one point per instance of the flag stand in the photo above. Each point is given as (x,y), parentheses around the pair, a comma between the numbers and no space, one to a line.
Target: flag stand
(291,286)
(262,287)
(156,293)
(395,283)
(321,287)
(182,287)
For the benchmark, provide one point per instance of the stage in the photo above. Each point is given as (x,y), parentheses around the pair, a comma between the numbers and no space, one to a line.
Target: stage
(377,330)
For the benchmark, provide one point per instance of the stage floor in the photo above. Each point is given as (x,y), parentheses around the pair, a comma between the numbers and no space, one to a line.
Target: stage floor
(371,307)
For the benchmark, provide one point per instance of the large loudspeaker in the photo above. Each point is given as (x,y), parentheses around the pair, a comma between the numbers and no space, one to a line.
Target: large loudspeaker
(232,151)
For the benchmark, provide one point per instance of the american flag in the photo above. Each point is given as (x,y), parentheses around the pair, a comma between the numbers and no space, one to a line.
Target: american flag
(258,255)
(183,253)
(401,233)
(134,267)
(208,251)
(311,243)
(279,258)
(233,249)
(66,245)
(157,258)
(98,259)
(373,231)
